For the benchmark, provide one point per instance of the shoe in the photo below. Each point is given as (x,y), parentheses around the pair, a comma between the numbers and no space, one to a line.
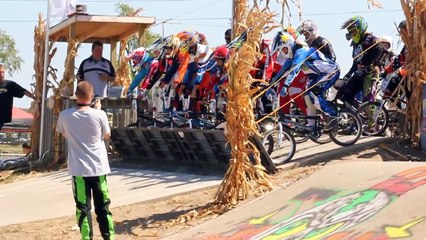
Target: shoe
(349,130)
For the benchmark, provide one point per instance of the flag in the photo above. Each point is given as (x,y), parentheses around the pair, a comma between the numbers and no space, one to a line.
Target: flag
(60,9)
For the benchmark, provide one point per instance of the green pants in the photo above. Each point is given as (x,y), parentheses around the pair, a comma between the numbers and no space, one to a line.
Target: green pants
(83,188)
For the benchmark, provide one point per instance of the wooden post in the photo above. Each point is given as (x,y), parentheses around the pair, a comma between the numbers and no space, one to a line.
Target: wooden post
(72,35)
(113,53)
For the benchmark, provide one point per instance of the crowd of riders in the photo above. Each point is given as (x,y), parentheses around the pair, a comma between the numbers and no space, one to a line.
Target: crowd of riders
(298,65)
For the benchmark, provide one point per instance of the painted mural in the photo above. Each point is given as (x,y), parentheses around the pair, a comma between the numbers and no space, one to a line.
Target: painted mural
(334,214)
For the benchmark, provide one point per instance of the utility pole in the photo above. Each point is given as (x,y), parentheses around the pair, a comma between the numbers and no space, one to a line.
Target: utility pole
(162,30)
(234,3)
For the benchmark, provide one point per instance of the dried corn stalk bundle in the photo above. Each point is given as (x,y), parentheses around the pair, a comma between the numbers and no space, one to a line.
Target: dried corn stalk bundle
(123,70)
(374,4)
(123,74)
(284,6)
(39,49)
(242,173)
(415,41)
(243,176)
(298,4)
(240,12)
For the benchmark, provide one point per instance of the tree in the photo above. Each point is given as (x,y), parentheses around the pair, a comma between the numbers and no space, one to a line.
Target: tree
(124,73)
(124,9)
(9,54)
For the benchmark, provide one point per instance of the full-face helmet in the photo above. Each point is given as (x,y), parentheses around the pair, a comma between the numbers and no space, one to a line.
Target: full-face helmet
(356,27)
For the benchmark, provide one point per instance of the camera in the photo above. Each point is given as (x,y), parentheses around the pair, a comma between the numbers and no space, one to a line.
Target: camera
(94,100)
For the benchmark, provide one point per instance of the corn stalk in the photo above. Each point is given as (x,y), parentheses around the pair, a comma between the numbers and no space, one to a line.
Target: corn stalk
(374,4)
(415,41)
(123,71)
(245,173)
(243,176)
(240,12)
(124,75)
(298,4)
(39,49)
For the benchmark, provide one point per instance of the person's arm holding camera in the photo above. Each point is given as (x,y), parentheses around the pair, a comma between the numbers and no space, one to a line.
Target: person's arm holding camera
(97,104)
(106,130)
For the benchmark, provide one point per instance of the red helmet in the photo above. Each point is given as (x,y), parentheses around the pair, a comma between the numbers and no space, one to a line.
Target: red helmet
(221,52)
(137,54)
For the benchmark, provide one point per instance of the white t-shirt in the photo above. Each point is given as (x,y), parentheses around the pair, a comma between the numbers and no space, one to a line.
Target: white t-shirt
(84,130)
(202,55)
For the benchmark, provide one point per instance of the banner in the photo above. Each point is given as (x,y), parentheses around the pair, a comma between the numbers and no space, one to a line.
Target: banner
(60,9)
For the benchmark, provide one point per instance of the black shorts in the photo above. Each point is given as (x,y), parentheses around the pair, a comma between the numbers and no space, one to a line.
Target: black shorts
(1,125)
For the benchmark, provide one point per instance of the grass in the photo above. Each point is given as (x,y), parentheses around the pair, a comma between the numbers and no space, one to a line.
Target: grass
(7,148)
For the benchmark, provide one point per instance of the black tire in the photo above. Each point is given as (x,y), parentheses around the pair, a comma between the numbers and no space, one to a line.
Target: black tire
(347,124)
(323,137)
(285,151)
(393,128)
(299,138)
(367,112)
(132,125)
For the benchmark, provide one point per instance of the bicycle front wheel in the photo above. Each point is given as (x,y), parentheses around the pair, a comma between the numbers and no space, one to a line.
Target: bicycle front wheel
(345,129)
(280,145)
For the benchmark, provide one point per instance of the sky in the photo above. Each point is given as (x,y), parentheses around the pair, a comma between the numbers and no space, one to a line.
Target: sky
(211,17)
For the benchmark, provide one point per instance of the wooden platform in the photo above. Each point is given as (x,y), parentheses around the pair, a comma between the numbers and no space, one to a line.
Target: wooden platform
(90,28)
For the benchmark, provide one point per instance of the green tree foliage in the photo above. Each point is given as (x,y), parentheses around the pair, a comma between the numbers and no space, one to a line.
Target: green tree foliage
(9,54)
(124,9)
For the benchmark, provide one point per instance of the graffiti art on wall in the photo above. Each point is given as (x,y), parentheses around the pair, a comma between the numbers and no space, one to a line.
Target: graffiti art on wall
(335,214)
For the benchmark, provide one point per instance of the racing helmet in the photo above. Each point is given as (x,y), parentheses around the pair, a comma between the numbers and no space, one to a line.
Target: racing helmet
(172,42)
(356,27)
(221,52)
(137,55)
(310,27)
(283,40)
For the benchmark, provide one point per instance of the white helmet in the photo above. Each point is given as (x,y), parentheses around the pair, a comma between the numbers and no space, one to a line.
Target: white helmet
(386,39)
(308,26)
(284,40)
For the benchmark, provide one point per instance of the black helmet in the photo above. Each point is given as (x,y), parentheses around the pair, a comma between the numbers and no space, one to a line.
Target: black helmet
(403,24)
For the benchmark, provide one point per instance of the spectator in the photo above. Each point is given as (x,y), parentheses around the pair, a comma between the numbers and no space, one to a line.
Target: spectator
(9,90)
(85,130)
(97,70)
(228,36)
(26,149)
